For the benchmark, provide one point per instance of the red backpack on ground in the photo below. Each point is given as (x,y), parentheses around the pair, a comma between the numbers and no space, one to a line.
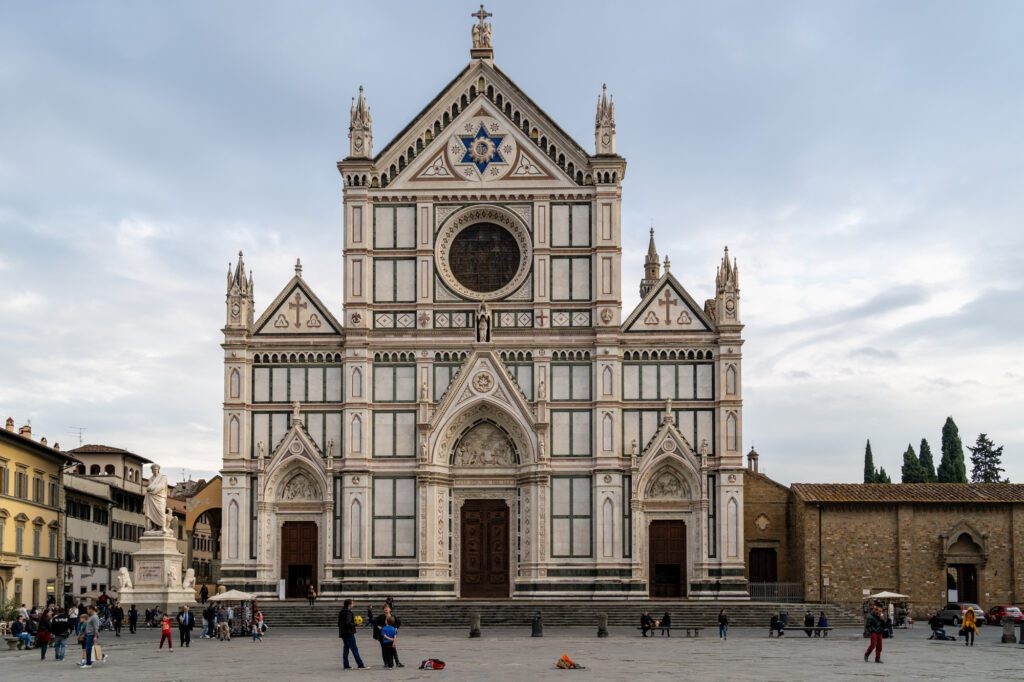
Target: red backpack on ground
(432,664)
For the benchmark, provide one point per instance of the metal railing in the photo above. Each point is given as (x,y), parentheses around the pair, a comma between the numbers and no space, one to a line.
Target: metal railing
(781,592)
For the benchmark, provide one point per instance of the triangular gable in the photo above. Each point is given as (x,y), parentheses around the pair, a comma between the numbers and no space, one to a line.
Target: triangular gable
(420,140)
(296,442)
(482,375)
(482,146)
(667,307)
(668,450)
(297,310)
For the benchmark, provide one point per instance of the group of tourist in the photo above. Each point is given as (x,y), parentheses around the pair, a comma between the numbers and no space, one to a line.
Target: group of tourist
(385,631)
(53,626)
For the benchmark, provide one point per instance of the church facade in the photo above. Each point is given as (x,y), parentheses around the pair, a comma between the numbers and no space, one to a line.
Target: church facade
(480,418)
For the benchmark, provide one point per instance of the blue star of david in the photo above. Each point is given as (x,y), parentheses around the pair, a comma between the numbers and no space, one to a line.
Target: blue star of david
(482,149)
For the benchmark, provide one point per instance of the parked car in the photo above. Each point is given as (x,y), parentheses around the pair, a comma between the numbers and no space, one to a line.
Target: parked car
(953,612)
(996,614)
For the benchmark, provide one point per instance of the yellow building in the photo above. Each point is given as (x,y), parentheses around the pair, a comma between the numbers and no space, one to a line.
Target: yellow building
(31,475)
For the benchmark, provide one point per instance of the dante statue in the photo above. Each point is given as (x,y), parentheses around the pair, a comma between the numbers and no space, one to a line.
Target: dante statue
(156,500)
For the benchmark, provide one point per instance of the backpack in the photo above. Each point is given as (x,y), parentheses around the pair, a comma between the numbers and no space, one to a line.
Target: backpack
(432,664)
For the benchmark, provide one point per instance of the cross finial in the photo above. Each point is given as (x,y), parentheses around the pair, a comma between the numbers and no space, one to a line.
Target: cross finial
(298,267)
(481,15)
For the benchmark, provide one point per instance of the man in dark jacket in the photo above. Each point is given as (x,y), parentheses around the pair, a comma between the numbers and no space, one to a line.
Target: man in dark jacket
(646,623)
(378,624)
(133,618)
(808,623)
(117,615)
(874,625)
(186,621)
(347,633)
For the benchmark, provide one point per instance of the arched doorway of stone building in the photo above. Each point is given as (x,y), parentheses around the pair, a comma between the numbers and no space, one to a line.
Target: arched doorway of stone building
(965,557)
(203,528)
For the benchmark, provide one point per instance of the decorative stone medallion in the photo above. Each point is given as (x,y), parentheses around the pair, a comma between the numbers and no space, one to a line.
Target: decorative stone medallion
(483,149)
(483,382)
(762,522)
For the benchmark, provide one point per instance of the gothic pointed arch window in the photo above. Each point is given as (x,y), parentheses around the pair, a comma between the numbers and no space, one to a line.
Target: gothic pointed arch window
(235,383)
(732,527)
(607,432)
(355,529)
(233,529)
(608,527)
(234,435)
(731,432)
(357,434)
(607,381)
(357,383)
(730,380)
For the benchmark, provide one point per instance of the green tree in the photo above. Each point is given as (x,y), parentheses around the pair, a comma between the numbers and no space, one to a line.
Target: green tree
(952,468)
(912,472)
(986,459)
(882,477)
(869,465)
(927,463)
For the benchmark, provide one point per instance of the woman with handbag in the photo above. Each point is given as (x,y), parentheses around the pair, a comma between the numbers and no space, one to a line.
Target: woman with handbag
(43,636)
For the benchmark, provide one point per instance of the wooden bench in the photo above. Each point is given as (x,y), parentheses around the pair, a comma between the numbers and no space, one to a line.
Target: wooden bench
(690,630)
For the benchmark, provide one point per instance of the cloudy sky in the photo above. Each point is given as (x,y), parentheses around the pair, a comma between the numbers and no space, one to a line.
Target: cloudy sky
(862,160)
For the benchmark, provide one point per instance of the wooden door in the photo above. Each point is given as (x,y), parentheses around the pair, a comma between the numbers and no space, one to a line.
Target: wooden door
(299,552)
(485,554)
(763,565)
(667,552)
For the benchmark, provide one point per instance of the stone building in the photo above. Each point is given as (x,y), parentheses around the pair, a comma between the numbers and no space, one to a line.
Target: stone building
(31,475)
(479,417)
(87,541)
(121,471)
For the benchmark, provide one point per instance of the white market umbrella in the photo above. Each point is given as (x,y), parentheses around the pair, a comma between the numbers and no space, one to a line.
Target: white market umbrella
(233,595)
(888,595)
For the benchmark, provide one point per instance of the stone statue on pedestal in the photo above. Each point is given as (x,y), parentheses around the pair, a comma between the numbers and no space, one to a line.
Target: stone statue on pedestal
(156,501)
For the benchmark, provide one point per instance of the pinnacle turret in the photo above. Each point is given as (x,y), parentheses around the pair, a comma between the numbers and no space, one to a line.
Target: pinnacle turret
(360,128)
(604,123)
(652,267)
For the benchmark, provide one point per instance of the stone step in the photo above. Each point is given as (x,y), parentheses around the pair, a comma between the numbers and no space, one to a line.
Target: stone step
(297,613)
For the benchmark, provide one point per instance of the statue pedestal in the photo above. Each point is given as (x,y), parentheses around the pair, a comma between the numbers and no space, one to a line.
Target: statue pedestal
(159,568)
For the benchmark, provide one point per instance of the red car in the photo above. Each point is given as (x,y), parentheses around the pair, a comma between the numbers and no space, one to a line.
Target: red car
(996,614)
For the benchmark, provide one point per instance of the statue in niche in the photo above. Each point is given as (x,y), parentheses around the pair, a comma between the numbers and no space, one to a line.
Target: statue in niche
(704,447)
(261,449)
(483,324)
(424,391)
(542,390)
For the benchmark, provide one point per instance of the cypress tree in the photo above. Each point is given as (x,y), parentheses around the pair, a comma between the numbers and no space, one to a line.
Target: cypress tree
(882,477)
(952,468)
(912,472)
(927,464)
(870,474)
(986,459)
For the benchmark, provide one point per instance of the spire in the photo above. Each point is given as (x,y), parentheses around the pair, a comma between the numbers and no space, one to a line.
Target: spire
(652,268)
(604,123)
(298,267)
(483,47)
(727,291)
(239,297)
(360,128)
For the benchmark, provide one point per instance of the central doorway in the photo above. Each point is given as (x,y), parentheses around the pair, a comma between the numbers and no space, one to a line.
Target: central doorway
(299,550)
(484,565)
(667,550)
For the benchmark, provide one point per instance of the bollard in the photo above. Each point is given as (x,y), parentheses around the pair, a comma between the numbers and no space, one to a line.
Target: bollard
(474,624)
(602,625)
(1008,636)
(538,626)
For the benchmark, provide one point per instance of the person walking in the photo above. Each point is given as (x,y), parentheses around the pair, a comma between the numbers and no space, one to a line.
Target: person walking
(723,625)
(92,636)
(970,627)
(60,627)
(165,634)
(874,625)
(347,633)
(311,594)
(666,625)
(117,616)
(43,635)
(223,624)
(204,594)
(133,618)
(186,621)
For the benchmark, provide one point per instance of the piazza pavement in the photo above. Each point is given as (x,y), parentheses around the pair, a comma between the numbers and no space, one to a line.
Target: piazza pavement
(512,654)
